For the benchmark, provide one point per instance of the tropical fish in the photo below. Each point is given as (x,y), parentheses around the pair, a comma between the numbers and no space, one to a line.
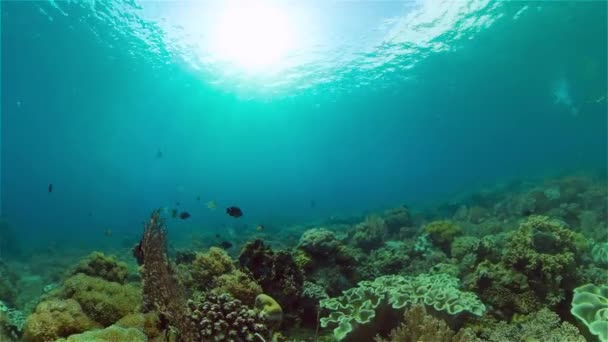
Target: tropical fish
(184,215)
(51,187)
(198,198)
(234,212)
(260,227)
(211,205)
(225,245)
(159,154)
(174,213)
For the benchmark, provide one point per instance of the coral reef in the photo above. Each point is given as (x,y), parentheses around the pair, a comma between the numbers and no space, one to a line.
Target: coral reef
(318,242)
(102,266)
(277,273)
(56,318)
(442,233)
(599,253)
(222,318)
(369,234)
(239,285)
(207,266)
(161,290)
(417,325)
(590,306)
(149,323)
(270,309)
(104,301)
(542,325)
(110,334)
(8,279)
(358,305)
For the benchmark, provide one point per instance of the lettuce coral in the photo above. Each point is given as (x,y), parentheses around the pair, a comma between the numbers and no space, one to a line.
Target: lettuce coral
(56,318)
(590,306)
(104,301)
(359,305)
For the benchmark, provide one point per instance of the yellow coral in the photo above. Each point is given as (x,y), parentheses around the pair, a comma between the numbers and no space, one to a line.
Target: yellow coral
(302,259)
(104,301)
(239,285)
(270,308)
(110,334)
(56,318)
(149,323)
(442,232)
(103,266)
(207,266)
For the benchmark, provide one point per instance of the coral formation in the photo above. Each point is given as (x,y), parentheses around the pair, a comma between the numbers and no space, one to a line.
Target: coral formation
(270,309)
(590,306)
(104,301)
(319,242)
(370,233)
(149,323)
(102,266)
(207,266)
(442,233)
(239,285)
(599,253)
(358,305)
(110,334)
(222,318)
(277,273)
(417,325)
(56,318)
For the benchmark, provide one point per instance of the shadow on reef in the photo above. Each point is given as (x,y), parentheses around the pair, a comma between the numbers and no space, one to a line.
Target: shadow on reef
(519,262)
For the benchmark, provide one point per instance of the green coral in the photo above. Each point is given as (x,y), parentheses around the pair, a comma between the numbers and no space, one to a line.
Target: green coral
(318,242)
(239,285)
(358,305)
(103,266)
(442,233)
(104,301)
(150,323)
(207,266)
(56,318)
(370,233)
(110,334)
(271,310)
(590,305)
(599,253)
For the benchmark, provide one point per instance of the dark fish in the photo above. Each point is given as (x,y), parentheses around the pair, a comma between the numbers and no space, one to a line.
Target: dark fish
(218,236)
(51,187)
(174,213)
(225,245)
(184,215)
(177,203)
(234,211)
(198,198)
(159,154)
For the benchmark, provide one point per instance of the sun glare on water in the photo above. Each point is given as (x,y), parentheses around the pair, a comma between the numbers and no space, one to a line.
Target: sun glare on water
(252,36)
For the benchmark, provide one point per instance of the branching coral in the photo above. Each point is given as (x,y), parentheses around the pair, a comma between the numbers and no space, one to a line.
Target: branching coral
(222,318)
(100,265)
(417,325)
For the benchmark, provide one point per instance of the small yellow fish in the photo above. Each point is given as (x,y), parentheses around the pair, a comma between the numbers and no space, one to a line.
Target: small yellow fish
(211,205)
(259,227)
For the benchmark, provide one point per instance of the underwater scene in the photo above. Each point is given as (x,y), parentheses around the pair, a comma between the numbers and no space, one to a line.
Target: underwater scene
(314,171)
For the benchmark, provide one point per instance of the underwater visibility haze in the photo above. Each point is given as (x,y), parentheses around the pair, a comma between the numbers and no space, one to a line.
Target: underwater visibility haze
(419,170)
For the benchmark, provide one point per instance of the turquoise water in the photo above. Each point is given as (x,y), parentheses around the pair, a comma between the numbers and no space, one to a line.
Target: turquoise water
(394,103)
(294,112)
